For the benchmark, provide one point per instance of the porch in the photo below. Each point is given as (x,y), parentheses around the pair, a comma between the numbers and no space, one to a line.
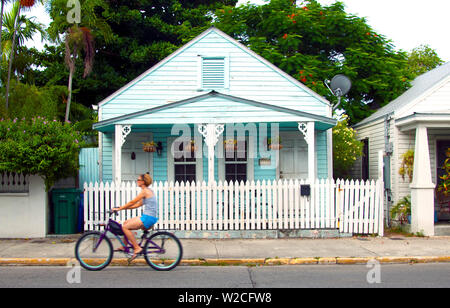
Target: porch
(432,131)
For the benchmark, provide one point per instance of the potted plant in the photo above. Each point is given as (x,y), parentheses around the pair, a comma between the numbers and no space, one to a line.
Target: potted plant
(407,164)
(149,146)
(444,186)
(275,144)
(230,144)
(402,210)
(193,146)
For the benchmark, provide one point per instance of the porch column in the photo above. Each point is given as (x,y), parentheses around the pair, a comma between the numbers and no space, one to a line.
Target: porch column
(307,129)
(422,187)
(211,133)
(121,132)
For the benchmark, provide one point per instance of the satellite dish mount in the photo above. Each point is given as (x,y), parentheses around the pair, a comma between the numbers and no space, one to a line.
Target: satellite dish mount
(339,86)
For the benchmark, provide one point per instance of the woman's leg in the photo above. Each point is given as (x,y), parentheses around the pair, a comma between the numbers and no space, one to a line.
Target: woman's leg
(132,224)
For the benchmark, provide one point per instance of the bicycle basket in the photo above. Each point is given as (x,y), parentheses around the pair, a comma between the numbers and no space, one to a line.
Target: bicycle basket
(115,228)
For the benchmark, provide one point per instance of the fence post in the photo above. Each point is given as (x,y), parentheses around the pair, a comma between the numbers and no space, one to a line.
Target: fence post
(381,179)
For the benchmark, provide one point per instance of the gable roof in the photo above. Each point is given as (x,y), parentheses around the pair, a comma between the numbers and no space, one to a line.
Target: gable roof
(323,122)
(232,41)
(420,86)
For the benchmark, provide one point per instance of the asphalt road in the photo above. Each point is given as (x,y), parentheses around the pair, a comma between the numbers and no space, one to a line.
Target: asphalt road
(434,275)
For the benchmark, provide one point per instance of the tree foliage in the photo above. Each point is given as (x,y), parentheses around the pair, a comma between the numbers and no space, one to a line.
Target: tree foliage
(39,146)
(346,148)
(143,32)
(423,59)
(312,43)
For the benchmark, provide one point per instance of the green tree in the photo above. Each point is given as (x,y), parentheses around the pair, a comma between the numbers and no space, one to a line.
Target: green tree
(16,31)
(143,33)
(78,38)
(423,59)
(25,28)
(312,43)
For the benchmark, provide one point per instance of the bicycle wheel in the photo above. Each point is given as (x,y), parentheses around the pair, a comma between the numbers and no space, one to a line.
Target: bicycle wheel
(91,254)
(163,251)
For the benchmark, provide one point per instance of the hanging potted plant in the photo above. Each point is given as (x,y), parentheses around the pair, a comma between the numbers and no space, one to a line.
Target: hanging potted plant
(275,144)
(193,146)
(407,165)
(444,186)
(230,145)
(149,146)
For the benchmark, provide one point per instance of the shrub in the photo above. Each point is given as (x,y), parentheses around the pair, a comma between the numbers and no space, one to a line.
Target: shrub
(346,148)
(39,146)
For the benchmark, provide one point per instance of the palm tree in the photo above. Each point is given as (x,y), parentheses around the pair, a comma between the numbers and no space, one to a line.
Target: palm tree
(78,40)
(17,6)
(1,25)
(25,30)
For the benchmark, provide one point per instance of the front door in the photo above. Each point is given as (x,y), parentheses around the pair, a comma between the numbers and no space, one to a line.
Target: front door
(134,160)
(293,156)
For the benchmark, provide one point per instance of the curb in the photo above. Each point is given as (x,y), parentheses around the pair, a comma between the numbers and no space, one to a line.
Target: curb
(236,262)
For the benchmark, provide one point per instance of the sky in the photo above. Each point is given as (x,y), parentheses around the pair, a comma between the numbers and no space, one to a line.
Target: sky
(408,23)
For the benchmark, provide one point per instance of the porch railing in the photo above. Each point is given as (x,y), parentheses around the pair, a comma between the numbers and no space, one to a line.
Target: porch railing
(350,206)
(13,183)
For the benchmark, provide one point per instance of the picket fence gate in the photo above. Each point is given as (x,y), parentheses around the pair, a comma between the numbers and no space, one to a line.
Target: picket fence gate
(350,206)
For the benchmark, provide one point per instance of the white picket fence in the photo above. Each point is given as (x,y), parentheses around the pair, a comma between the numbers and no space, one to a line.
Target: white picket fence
(14,183)
(351,207)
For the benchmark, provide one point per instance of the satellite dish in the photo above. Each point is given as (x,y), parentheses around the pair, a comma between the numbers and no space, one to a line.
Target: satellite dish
(340,85)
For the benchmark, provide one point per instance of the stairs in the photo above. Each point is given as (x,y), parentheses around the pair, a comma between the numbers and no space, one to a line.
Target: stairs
(442,229)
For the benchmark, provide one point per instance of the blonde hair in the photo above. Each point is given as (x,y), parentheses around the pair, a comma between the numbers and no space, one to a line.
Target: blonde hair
(147,179)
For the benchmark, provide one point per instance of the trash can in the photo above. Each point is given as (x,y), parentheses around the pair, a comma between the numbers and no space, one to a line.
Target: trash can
(65,210)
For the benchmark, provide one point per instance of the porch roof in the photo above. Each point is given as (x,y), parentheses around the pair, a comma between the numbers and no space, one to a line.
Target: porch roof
(215,107)
(429,119)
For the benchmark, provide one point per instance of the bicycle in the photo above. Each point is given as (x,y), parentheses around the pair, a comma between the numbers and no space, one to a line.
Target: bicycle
(162,250)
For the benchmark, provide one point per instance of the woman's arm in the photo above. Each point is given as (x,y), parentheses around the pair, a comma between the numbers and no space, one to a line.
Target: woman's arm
(135,203)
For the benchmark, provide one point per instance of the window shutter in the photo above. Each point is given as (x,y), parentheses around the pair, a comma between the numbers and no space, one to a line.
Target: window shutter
(213,73)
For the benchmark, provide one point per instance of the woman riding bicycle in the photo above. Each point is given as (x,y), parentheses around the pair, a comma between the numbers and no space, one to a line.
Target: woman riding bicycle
(146,198)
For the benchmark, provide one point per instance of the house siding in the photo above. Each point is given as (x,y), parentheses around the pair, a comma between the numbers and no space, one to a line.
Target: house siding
(402,142)
(437,100)
(375,133)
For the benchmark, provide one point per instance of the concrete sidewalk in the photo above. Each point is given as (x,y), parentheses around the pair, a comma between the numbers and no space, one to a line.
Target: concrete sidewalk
(60,250)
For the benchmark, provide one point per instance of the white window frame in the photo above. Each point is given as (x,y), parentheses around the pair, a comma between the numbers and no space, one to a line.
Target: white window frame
(171,162)
(250,158)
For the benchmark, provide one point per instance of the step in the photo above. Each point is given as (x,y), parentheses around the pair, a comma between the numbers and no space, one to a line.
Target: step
(442,229)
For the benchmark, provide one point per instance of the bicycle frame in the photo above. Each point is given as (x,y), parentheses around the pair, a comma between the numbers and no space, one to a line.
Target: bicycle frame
(127,245)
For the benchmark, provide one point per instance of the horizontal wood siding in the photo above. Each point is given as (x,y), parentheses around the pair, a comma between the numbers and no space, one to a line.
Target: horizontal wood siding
(322,157)
(107,156)
(437,100)
(374,131)
(178,79)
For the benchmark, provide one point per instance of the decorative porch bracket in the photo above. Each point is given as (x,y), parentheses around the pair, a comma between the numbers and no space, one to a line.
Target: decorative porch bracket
(307,130)
(121,133)
(211,133)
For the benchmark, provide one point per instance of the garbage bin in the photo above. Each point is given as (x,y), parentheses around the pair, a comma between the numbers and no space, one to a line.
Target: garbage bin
(65,209)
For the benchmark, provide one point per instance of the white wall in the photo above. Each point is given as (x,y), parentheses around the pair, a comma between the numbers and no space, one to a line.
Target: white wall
(24,215)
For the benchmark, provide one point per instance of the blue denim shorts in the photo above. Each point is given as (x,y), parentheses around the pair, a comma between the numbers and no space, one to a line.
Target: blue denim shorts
(148,221)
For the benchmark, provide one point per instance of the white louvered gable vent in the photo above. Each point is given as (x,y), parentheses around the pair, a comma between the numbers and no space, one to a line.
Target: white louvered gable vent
(213,73)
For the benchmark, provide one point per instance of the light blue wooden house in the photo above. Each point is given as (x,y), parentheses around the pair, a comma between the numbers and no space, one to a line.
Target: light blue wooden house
(211,108)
